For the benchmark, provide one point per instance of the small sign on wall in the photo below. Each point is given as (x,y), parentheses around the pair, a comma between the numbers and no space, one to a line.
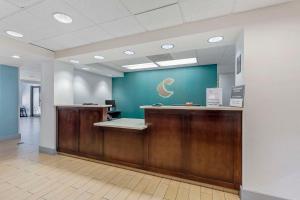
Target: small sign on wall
(237,96)
(214,96)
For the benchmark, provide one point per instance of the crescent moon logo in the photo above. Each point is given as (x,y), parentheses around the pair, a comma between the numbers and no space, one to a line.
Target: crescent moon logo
(161,88)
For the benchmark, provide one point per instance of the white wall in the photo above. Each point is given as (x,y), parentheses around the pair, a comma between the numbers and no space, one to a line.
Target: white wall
(30,75)
(48,116)
(226,82)
(271,136)
(63,83)
(73,86)
(91,88)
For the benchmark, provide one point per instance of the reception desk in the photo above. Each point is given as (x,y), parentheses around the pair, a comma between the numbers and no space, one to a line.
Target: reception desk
(76,133)
(196,143)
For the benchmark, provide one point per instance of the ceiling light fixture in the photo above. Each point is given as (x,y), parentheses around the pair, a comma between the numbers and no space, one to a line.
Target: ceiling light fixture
(74,61)
(129,52)
(62,18)
(167,46)
(14,34)
(141,66)
(215,39)
(99,57)
(177,62)
(16,56)
(85,68)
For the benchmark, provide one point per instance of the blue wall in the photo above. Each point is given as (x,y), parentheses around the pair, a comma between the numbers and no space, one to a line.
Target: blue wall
(9,101)
(140,88)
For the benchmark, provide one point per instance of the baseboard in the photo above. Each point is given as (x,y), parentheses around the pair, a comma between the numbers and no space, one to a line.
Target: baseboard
(249,195)
(10,137)
(47,150)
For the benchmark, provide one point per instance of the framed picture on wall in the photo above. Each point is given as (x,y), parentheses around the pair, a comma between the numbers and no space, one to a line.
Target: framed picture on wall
(239,64)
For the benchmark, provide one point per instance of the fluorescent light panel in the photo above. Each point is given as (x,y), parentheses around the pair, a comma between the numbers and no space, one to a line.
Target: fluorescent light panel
(177,62)
(141,66)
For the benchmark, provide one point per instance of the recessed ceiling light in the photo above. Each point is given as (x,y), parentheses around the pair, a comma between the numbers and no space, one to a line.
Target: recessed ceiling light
(62,18)
(177,62)
(85,68)
(74,61)
(129,52)
(16,56)
(141,66)
(14,34)
(99,57)
(215,39)
(167,46)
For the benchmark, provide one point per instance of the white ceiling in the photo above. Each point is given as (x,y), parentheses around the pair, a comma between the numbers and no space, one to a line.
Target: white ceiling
(98,20)
(183,43)
(224,56)
(30,55)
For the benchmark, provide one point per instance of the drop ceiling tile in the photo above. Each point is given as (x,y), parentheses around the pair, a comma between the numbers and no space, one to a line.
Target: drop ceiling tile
(139,6)
(184,54)
(204,9)
(229,52)
(60,42)
(45,10)
(228,57)
(161,18)
(100,11)
(123,27)
(210,55)
(24,3)
(91,34)
(22,22)
(245,5)
(49,44)
(7,8)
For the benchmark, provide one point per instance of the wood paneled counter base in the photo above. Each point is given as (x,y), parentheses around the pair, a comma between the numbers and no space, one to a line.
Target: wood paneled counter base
(200,145)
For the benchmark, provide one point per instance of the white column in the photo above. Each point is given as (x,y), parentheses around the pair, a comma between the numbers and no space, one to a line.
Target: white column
(48,125)
(63,83)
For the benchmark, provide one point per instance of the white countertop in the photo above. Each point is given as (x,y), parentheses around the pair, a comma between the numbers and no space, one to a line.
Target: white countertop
(126,123)
(84,106)
(193,108)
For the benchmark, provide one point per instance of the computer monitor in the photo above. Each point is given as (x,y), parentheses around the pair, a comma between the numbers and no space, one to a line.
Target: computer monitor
(112,103)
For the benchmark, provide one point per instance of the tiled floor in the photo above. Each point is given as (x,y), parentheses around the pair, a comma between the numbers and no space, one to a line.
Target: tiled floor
(27,174)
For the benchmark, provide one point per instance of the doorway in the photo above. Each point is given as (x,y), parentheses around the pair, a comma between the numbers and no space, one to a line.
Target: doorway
(35,101)
(30,105)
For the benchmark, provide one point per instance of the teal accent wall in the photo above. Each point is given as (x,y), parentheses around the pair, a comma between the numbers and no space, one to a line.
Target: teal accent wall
(9,101)
(140,88)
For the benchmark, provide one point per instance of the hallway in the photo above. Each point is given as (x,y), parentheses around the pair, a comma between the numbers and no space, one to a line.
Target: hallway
(30,129)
